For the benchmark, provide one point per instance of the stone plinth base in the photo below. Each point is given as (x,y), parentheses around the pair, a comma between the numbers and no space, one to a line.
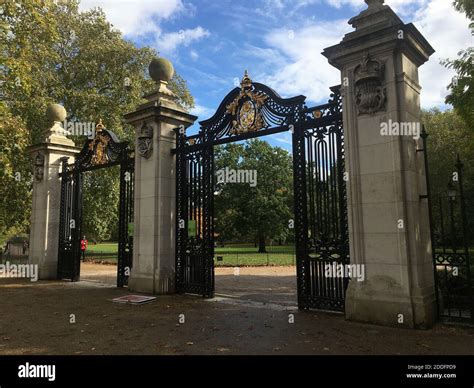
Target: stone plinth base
(381,302)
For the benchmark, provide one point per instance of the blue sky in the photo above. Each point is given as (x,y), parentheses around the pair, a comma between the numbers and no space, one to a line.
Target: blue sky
(279,42)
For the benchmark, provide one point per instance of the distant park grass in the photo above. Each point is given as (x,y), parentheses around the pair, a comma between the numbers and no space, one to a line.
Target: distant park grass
(230,255)
(105,253)
(103,247)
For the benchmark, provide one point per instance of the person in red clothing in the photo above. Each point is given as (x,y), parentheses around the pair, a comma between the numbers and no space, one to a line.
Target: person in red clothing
(83,247)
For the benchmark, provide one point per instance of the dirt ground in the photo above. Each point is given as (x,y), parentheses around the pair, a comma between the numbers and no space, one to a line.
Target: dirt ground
(249,315)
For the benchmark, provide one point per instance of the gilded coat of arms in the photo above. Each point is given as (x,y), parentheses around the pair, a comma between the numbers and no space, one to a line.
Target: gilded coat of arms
(98,146)
(245,109)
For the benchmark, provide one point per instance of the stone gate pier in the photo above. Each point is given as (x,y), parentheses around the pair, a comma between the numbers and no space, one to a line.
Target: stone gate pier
(388,222)
(155,184)
(46,201)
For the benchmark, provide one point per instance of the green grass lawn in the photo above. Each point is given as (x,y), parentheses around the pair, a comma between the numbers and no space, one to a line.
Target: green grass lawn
(102,252)
(103,247)
(247,255)
(231,254)
(254,259)
(242,254)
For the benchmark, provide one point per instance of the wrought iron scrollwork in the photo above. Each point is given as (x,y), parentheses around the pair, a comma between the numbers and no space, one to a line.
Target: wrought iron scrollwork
(320,198)
(250,108)
(104,150)
(320,204)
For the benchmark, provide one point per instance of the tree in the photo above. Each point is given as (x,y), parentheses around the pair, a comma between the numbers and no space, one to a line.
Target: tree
(466,6)
(51,52)
(226,198)
(15,175)
(462,86)
(259,212)
(449,136)
(99,196)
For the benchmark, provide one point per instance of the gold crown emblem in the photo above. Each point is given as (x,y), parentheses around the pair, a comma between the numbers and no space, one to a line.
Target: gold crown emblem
(246,81)
(100,126)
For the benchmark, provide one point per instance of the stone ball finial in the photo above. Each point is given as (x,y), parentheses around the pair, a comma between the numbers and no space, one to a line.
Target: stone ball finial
(161,69)
(56,112)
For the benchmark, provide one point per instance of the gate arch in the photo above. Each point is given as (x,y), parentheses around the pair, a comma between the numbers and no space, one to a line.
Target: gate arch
(254,110)
(103,151)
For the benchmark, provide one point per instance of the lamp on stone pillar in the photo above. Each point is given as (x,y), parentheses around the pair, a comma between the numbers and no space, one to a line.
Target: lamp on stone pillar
(46,198)
(388,224)
(155,183)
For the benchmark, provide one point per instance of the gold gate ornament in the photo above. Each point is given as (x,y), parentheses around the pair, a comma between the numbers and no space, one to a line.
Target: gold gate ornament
(245,109)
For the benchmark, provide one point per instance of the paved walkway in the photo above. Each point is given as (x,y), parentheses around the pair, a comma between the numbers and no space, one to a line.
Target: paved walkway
(36,319)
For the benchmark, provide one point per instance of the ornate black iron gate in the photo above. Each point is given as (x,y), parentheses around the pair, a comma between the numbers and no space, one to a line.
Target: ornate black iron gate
(453,264)
(70,222)
(194,209)
(104,150)
(320,222)
(322,240)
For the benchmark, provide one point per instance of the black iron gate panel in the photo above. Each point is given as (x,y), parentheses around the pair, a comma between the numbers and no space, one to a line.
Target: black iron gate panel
(126,226)
(104,150)
(251,111)
(322,243)
(453,264)
(194,215)
(70,221)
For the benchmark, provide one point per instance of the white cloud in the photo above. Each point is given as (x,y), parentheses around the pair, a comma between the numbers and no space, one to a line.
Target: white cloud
(194,55)
(448,32)
(303,69)
(340,3)
(284,138)
(135,18)
(202,111)
(168,42)
(297,66)
(401,7)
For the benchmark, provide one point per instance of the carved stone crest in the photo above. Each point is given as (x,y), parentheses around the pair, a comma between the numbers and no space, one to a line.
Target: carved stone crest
(39,167)
(369,90)
(145,141)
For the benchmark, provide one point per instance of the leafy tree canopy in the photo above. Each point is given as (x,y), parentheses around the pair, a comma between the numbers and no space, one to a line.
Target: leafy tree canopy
(462,87)
(260,212)
(50,52)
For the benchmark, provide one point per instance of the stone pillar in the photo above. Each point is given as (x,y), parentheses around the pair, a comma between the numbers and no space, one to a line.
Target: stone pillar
(153,268)
(44,230)
(388,222)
